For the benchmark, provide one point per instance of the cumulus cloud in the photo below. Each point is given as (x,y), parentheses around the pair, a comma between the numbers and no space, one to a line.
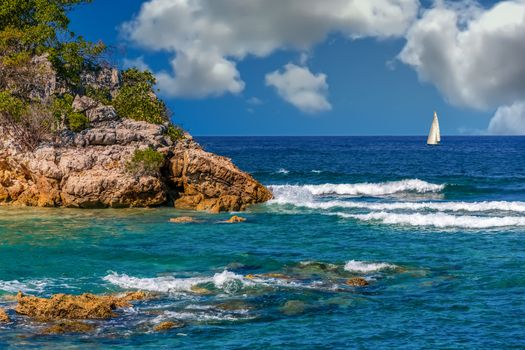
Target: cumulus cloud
(509,120)
(208,37)
(300,87)
(474,56)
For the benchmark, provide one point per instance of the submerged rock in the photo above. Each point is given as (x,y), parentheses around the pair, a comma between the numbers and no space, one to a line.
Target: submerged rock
(69,327)
(68,307)
(183,220)
(357,282)
(3,316)
(233,305)
(235,219)
(200,290)
(167,325)
(293,307)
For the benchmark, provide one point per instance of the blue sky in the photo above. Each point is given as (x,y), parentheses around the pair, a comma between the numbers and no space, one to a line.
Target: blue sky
(366,89)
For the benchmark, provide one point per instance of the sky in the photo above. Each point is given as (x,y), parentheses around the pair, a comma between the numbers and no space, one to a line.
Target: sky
(331,67)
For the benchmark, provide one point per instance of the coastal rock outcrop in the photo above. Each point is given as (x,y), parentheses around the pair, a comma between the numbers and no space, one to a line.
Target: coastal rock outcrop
(71,307)
(90,167)
(206,181)
(88,170)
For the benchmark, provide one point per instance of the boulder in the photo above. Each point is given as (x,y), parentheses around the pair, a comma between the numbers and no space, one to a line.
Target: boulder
(72,307)
(69,327)
(235,219)
(356,282)
(293,307)
(3,316)
(167,325)
(182,220)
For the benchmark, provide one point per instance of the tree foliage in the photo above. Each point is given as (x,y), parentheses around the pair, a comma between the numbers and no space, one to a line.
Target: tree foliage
(137,100)
(35,27)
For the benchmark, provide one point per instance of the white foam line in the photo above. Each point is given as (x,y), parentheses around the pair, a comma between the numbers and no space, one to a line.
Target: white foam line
(359,189)
(365,267)
(439,220)
(518,207)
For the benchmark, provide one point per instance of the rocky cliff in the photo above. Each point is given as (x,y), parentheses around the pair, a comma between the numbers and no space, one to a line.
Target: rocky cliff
(88,169)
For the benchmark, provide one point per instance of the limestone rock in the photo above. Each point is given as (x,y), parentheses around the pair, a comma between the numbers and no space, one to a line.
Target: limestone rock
(89,169)
(293,307)
(205,181)
(356,282)
(71,307)
(234,219)
(167,325)
(182,220)
(3,316)
(69,327)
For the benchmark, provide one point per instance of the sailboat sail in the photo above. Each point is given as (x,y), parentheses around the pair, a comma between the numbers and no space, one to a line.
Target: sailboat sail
(434,136)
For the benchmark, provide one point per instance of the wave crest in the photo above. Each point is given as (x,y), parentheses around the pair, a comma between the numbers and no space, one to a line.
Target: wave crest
(285,193)
(440,220)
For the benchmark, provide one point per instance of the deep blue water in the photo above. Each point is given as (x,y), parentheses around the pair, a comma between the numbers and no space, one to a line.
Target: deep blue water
(438,233)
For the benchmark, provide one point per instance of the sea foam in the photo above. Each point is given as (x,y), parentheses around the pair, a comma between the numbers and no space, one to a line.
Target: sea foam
(365,267)
(440,220)
(284,192)
(518,207)
(225,280)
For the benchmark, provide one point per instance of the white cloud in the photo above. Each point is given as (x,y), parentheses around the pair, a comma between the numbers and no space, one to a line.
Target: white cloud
(474,56)
(301,88)
(509,120)
(208,37)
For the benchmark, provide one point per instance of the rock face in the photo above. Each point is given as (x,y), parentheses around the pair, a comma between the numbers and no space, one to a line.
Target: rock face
(205,181)
(88,170)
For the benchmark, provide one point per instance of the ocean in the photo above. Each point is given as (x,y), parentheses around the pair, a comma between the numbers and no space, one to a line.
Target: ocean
(438,233)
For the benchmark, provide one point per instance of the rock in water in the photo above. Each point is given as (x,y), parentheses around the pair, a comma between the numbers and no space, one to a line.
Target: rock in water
(293,307)
(71,307)
(167,325)
(3,316)
(69,327)
(205,181)
(356,282)
(234,219)
(182,220)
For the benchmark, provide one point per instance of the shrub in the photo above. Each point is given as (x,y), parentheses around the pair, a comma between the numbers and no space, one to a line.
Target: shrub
(63,111)
(136,98)
(145,162)
(101,95)
(28,124)
(175,133)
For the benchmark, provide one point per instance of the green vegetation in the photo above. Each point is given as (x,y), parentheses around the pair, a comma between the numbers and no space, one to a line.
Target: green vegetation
(35,45)
(175,133)
(136,98)
(145,162)
(35,27)
(63,110)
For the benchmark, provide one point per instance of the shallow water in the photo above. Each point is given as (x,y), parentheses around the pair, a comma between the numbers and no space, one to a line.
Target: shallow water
(438,232)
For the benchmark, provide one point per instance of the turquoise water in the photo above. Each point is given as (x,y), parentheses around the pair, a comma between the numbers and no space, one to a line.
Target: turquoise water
(438,232)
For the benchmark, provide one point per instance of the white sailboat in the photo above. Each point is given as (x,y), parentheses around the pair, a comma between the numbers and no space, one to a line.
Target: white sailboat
(434,136)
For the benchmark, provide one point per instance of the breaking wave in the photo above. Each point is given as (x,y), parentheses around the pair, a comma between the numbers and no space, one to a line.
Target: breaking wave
(518,207)
(366,267)
(281,192)
(440,220)
(170,284)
